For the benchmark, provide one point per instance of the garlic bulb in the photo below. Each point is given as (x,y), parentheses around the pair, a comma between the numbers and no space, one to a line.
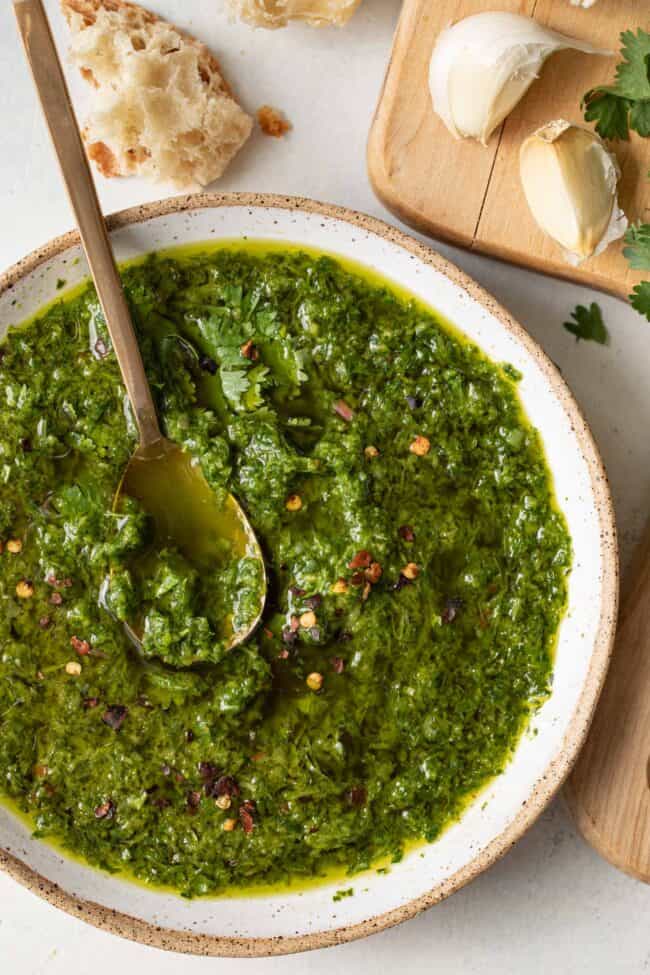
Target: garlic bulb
(484,64)
(570,181)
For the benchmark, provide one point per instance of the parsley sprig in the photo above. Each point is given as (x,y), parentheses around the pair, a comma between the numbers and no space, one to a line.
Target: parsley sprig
(624,105)
(637,253)
(588,324)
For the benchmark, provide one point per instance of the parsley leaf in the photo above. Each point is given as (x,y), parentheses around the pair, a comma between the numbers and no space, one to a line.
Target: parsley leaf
(234,383)
(637,253)
(588,324)
(624,105)
(609,112)
(640,298)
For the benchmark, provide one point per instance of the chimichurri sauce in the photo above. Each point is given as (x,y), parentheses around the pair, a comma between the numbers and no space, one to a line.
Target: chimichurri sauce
(417,575)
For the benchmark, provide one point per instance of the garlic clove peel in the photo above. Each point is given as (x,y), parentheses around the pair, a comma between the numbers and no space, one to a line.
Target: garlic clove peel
(570,181)
(482,65)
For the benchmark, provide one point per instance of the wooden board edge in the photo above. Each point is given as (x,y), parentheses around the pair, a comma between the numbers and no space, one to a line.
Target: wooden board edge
(384,191)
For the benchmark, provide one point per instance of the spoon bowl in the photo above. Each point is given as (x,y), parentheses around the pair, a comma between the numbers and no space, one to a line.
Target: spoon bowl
(209,528)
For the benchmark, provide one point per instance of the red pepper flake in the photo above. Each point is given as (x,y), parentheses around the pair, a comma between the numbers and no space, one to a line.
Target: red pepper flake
(373,572)
(356,796)
(58,583)
(283,654)
(81,646)
(267,633)
(208,771)
(247,815)
(56,598)
(249,351)
(294,624)
(338,664)
(407,533)
(44,622)
(105,810)
(344,411)
(91,702)
(114,716)
(226,786)
(193,800)
(361,560)
(258,757)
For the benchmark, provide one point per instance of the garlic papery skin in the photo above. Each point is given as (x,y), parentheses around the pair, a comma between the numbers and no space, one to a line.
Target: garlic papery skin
(570,181)
(482,65)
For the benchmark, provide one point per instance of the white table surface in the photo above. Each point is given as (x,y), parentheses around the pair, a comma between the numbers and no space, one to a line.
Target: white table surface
(552,904)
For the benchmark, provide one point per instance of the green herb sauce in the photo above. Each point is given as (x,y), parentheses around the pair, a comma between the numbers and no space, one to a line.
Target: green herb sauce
(415,589)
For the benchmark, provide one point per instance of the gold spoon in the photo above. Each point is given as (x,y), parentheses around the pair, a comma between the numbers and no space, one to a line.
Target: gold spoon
(169,483)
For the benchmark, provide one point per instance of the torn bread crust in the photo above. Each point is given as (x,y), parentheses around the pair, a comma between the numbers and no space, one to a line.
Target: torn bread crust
(278,13)
(163,109)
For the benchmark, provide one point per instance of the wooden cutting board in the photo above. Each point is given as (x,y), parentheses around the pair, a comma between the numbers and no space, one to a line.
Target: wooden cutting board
(470,195)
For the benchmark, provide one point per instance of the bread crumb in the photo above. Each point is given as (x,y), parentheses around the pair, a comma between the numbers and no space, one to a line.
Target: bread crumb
(272,122)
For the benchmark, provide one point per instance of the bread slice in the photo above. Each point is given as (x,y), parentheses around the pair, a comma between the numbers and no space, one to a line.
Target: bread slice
(163,109)
(277,13)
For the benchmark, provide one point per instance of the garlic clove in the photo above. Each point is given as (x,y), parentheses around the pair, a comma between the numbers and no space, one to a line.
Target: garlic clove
(570,182)
(483,65)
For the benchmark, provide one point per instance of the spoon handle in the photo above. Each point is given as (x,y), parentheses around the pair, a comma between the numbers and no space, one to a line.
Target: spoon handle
(609,789)
(59,115)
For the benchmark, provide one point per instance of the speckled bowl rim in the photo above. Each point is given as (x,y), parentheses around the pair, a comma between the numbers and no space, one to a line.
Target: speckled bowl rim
(557,771)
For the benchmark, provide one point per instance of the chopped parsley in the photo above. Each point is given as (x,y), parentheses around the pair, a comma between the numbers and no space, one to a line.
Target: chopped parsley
(413,600)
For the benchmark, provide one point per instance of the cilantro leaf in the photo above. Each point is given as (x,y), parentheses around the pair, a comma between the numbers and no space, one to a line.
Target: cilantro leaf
(637,253)
(624,105)
(234,383)
(609,112)
(640,298)
(588,324)
(633,72)
(256,382)
(640,117)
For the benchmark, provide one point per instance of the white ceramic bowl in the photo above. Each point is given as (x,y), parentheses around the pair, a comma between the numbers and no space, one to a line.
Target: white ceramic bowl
(292,921)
